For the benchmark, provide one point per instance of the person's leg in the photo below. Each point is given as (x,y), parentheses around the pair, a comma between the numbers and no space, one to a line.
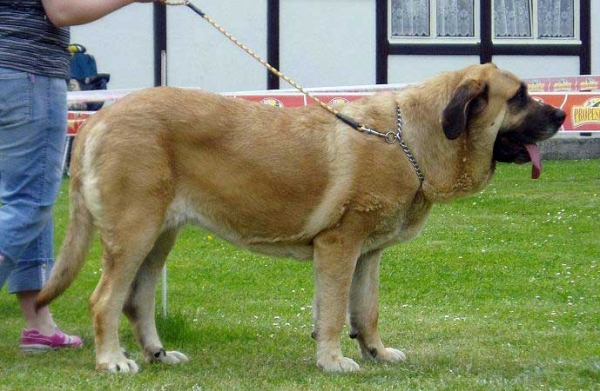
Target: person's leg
(24,276)
(39,320)
(29,276)
(32,136)
(15,111)
(41,332)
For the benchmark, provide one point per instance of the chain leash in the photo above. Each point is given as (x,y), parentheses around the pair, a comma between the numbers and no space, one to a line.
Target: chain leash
(392,137)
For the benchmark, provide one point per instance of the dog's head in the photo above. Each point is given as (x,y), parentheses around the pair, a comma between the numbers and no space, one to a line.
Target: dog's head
(490,100)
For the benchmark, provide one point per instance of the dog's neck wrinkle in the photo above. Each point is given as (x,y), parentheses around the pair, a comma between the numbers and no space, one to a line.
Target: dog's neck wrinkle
(463,175)
(467,177)
(460,177)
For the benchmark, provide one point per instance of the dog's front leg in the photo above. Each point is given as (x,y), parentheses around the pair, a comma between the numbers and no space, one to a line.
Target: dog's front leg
(334,261)
(364,310)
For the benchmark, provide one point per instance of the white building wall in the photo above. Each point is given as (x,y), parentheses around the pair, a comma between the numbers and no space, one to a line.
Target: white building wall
(328,42)
(539,66)
(322,43)
(414,68)
(200,56)
(122,44)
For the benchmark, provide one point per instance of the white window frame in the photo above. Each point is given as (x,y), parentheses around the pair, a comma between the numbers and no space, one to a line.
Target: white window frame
(534,39)
(433,38)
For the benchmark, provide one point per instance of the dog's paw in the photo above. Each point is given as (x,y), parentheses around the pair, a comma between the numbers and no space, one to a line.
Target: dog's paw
(338,364)
(167,357)
(123,365)
(390,355)
(174,357)
(384,355)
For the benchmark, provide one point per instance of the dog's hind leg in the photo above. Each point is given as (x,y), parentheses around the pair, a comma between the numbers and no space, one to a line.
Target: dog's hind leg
(124,249)
(364,310)
(140,306)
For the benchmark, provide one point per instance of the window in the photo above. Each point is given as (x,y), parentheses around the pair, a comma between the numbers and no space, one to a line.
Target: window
(457,21)
(535,21)
(484,28)
(428,20)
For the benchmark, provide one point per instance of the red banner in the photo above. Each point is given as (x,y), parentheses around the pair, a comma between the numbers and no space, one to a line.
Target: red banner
(75,119)
(564,84)
(274,99)
(583,110)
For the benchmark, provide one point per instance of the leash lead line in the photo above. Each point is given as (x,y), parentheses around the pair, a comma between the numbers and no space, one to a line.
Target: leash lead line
(390,137)
(245,48)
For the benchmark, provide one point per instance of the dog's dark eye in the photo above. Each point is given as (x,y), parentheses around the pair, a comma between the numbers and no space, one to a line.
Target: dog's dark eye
(521,96)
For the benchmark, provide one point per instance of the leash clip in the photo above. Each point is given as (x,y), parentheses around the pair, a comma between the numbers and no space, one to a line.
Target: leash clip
(390,137)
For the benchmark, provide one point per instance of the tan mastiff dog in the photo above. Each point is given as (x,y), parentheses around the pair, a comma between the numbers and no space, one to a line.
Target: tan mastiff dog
(286,182)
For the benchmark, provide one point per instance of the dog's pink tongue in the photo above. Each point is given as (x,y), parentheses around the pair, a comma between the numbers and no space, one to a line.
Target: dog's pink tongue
(534,155)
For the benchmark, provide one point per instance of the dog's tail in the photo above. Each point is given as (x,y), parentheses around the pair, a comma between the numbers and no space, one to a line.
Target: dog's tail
(74,248)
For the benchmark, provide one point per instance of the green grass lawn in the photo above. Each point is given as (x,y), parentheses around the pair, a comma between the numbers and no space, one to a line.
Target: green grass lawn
(500,292)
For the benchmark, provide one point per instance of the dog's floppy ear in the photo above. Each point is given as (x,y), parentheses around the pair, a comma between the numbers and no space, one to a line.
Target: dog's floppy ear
(468,99)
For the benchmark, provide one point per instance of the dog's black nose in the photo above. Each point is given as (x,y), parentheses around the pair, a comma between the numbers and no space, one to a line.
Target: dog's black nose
(559,116)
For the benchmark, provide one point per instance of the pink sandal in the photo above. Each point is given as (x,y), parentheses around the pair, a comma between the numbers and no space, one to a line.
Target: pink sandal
(33,341)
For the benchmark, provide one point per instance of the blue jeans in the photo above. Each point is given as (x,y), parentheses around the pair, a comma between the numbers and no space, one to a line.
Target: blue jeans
(33,123)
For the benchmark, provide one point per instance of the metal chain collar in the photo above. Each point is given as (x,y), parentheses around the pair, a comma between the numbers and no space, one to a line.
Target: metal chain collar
(391,137)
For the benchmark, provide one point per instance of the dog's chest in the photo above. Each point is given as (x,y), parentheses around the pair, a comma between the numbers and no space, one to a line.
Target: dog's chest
(399,227)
